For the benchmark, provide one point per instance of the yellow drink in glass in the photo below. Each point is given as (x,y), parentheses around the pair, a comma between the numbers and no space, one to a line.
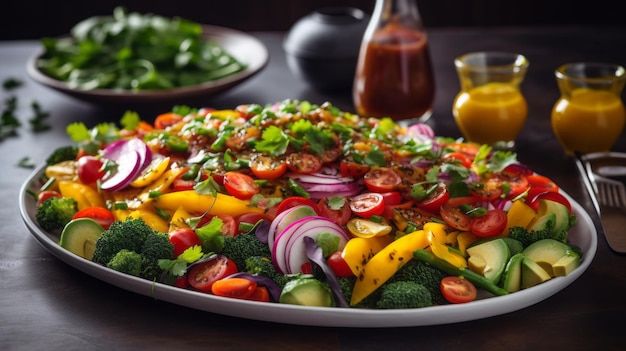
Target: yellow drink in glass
(490,113)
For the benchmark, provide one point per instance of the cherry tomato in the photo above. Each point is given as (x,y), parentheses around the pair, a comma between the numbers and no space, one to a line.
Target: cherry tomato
(182,239)
(353,169)
(165,120)
(549,195)
(238,288)
(294,201)
(181,183)
(487,190)
(517,182)
(339,265)
(266,167)
(89,169)
(182,282)
(490,224)
(340,216)
(392,198)
(247,220)
(382,179)
(203,275)
(367,204)
(45,195)
(304,163)
(240,185)
(457,290)
(541,183)
(305,268)
(462,200)
(229,224)
(260,294)
(458,157)
(101,215)
(455,218)
(434,201)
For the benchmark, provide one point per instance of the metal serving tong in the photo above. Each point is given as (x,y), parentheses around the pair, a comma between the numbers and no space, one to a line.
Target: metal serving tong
(604,175)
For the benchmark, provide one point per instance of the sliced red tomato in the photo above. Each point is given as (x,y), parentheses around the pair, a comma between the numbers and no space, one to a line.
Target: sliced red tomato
(434,201)
(303,163)
(549,195)
(101,215)
(240,185)
(89,169)
(203,275)
(382,179)
(182,239)
(266,167)
(392,198)
(458,157)
(238,288)
(165,120)
(341,215)
(455,218)
(490,224)
(294,201)
(388,212)
(353,169)
(367,204)
(229,224)
(541,183)
(462,200)
(45,195)
(339,265)
(487,190)
(517,183)
(458,290)
(246,221)
(469,149)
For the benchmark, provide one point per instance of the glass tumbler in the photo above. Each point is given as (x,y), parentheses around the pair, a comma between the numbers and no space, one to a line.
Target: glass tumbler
(490,108)
(589,116)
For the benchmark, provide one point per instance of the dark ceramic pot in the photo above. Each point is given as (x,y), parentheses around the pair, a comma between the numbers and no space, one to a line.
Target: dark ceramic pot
(323,47)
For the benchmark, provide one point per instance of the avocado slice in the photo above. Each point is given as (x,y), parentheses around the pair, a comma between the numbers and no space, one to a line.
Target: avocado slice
(542,221)
(307,292)
(79,237)
(512,277)
(560,211)
(489,259)
(554,256)
(532,273)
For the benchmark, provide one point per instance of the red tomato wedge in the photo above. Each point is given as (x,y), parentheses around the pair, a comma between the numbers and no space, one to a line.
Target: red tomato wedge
(203,275)
(458,290)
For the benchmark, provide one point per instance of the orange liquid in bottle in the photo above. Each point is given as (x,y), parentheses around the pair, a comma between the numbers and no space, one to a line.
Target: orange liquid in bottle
(395,78)
(590,121)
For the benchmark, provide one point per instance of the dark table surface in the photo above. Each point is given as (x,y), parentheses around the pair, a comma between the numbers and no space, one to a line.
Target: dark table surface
(46,304)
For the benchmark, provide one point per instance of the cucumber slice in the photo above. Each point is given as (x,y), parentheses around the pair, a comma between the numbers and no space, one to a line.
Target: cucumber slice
(79,237)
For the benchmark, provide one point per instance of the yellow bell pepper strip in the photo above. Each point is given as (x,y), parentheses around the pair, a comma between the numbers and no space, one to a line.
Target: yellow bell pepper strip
(200,203)
(152,220)
(358,251)
(160,185)
(84,195)
(179,219)
(465,239)
(386,263)
(151,173)
(65,170)
(437,237)
(519,215)
(364,228)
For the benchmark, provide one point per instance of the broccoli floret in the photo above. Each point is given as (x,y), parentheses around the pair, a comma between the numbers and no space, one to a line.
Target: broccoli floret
(404,294)
(239,247)
(129,234)
(64,153)
(126,261)
(54,213)
(424,274)
(156,246)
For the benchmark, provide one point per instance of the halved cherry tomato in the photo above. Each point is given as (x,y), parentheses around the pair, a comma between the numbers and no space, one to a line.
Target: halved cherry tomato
(434,201)
(458,290)
(339,265)
(549,195)
(490,224)
(293,201)
(182,239)
(165,120)
(238,288)
(544,183)
(487,190)
(247,220)
(517,183)
(45,195)
(367,204)
(101,215)
(266,167)
(240,185)
(203,275)
(303,163)
(353,169)
(455,218)
(462,200)
(89,169)
(454,157)
(392,198)
(340,215)
(382,179)
(229,224)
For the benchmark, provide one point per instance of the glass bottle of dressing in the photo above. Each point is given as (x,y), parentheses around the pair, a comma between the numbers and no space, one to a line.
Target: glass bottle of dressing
(394,76)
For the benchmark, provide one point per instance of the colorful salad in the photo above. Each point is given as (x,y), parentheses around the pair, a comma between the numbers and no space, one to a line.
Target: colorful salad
(305,204)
